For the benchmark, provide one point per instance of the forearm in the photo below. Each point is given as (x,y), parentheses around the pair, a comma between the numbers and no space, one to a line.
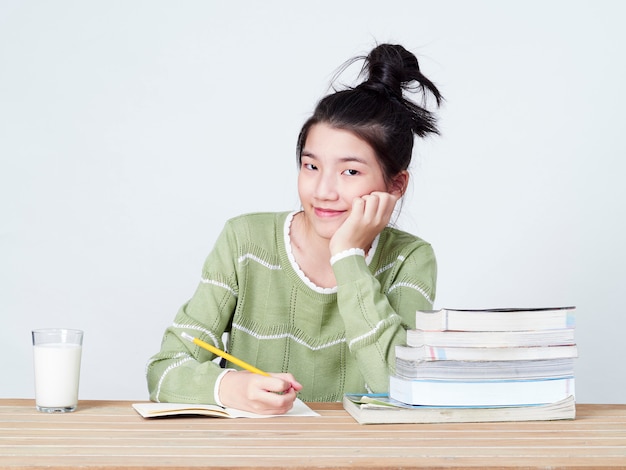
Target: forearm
(183,371)
(178,377)
(376,320)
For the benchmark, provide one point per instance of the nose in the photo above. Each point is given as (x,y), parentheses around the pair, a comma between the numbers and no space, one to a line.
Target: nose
(326,187)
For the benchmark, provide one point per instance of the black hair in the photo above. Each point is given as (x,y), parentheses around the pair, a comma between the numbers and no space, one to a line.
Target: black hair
(377,111)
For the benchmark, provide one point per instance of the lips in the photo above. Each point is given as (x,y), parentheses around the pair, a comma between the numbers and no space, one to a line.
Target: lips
(327,213)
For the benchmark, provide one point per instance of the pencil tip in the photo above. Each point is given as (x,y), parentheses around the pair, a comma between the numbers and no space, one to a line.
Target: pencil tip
(186,336)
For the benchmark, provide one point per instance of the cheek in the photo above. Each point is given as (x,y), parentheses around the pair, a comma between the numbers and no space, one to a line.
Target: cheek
(304,186)
(364,188)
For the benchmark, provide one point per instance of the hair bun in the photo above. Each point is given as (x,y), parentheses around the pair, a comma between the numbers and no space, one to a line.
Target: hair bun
(388,66)
(393,69)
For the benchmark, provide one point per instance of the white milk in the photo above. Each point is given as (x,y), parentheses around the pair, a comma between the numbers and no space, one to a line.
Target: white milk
(57,371)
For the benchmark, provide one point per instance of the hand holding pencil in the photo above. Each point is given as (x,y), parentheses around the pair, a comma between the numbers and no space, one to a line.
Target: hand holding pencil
(253,389)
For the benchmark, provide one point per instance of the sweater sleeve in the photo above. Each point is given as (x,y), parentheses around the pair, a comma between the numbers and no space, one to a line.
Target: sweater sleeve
(376,316)
(182,371)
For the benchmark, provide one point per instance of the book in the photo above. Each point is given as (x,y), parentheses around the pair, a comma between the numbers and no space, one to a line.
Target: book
(490,339)
(516,358)
(498,319)
(158,410)
(485,370)
(439,353)
(380,409)
(480,392)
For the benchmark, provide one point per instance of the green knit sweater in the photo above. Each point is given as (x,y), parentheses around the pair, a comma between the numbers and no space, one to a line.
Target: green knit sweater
(334,341)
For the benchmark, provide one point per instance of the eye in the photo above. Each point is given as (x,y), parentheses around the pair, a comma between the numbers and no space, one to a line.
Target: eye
(309,166)
(351,172)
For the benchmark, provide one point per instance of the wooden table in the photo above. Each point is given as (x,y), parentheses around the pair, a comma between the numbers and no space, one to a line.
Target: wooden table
(110,434)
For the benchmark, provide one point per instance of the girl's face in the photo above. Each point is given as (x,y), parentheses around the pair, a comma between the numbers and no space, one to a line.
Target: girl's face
(337,167)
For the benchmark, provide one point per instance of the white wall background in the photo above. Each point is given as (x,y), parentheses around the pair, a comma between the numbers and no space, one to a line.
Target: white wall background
(131,130)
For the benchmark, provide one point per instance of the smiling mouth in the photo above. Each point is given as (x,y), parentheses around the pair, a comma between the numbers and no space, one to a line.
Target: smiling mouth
(326,213)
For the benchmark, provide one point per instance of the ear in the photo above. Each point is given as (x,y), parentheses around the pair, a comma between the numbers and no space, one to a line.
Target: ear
(399,183)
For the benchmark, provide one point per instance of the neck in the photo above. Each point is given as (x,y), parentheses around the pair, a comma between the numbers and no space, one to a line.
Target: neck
(312,253)
(305,238)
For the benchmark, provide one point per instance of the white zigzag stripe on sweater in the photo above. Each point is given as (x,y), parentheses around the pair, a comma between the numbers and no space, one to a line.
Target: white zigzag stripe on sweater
(290,336)
(242,258)
(198,328)
(412,286)
(384,268)
(372,331)
(218,284)
(400,258)
(185,358)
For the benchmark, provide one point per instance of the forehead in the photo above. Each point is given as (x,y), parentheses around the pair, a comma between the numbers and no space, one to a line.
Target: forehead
(324,140)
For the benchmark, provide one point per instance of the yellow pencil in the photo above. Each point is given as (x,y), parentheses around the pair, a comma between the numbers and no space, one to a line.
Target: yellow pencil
(224,354)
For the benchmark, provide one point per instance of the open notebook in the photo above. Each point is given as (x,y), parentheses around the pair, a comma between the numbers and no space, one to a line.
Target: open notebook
(155,410)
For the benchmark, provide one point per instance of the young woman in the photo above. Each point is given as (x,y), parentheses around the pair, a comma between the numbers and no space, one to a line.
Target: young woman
(319,297)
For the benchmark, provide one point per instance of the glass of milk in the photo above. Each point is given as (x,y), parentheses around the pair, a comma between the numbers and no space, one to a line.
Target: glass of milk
(56,354)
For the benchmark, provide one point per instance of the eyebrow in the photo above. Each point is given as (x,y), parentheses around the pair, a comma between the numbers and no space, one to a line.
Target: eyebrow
(347,159)
(353,159)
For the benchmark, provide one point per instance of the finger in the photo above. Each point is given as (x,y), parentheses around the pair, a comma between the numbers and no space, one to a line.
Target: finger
(297,386)
(370,211)
(283,382)
(386,198)
(386,204)
(358,206)
(271,402)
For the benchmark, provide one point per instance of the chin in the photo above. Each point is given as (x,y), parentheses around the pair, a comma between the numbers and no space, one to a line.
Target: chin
(326,229)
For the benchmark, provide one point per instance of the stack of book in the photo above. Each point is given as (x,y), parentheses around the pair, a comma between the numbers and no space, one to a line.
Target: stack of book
(481,365)
(501,357)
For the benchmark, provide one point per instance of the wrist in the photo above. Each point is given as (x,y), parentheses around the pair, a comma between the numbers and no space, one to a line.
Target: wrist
(216,389)
(345,253)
